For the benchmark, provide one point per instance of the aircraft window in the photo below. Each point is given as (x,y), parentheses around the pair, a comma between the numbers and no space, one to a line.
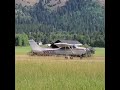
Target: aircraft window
(74,47)
(64,48)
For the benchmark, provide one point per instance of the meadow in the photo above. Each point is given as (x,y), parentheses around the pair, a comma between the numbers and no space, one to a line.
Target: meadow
(57,73)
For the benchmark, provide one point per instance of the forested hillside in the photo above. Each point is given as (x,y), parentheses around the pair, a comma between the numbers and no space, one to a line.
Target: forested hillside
(82,20)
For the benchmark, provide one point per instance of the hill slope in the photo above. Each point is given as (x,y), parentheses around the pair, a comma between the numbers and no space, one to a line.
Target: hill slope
(76,19)
(26,2)
(49,3)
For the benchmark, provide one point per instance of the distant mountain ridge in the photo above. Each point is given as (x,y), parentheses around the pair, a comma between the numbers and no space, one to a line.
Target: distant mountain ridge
(48,3)
(48,20)
(26,2)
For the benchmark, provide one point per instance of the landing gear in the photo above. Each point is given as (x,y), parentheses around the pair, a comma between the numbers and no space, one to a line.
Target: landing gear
(67,57)
(71,57)
(81,56)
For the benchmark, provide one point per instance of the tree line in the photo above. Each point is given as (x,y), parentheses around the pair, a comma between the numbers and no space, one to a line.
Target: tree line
(78,19)
(21,40)
(95,39)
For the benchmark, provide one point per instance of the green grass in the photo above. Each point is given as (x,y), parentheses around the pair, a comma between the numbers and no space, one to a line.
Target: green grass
(22,50)
(100,52)
(59,75)
(56,73)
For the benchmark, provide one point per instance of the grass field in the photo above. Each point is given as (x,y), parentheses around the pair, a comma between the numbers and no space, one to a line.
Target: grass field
(57,73)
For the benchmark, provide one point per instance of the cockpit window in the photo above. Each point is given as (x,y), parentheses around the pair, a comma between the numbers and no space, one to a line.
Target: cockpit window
(71,47)
(74,47)
(64,48)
